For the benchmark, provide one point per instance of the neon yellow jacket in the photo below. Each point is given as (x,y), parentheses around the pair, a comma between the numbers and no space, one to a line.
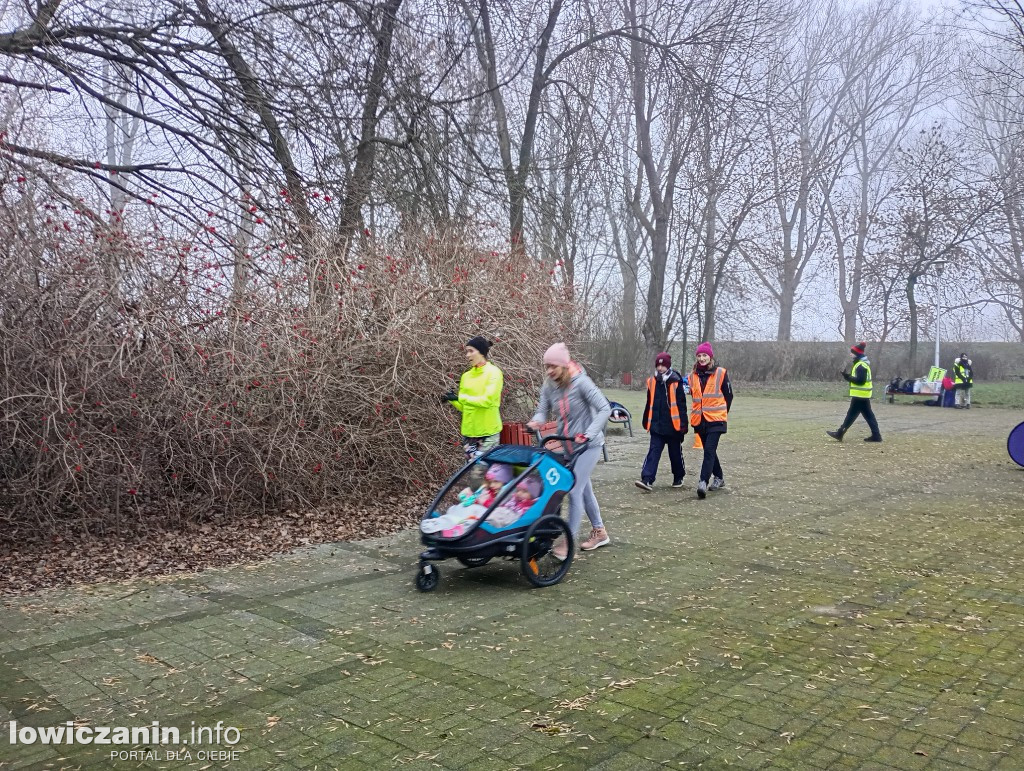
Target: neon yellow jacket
(480,400)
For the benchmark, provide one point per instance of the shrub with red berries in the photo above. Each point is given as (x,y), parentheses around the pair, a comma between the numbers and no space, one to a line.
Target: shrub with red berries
(148,376)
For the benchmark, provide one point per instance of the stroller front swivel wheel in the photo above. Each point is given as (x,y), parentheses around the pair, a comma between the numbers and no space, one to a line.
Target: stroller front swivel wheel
(427,577)
(538,563)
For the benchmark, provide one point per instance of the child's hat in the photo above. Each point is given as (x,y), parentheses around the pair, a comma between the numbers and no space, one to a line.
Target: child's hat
(663,358)
(858,349)
(531,485)
(499,472)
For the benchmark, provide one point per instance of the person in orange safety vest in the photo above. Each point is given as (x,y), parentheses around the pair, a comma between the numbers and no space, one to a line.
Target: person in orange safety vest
(710,400)
(665,418)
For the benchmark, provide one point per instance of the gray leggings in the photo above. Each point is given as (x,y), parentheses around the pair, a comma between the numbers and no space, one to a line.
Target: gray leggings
(581,497)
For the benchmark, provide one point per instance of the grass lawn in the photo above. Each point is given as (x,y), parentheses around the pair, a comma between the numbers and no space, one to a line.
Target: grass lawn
(1006,394)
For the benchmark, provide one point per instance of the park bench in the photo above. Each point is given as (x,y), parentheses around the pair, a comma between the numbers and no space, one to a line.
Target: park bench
(892,392)
(620,416)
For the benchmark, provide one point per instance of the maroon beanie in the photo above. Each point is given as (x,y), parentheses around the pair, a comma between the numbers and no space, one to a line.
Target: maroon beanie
(858,349)
(662,358)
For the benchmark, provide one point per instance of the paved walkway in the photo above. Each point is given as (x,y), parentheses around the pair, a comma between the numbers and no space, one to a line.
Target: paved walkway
(837,606)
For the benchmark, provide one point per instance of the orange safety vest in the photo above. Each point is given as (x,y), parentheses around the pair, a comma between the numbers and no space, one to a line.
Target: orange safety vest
(673,405)
(708,404)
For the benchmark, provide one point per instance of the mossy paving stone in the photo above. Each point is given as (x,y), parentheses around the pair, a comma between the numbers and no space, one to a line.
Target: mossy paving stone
(837,605)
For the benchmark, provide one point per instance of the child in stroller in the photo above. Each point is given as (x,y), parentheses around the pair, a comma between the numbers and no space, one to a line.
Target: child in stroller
(527,491)
(458,518)
(514,515)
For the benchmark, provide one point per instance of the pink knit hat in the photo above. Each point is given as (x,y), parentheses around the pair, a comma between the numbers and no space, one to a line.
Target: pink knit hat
(532,485)
(499,472)
(558,355)
(705,348)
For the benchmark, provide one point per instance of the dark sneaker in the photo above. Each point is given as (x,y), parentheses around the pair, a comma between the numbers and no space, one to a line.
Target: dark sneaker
(717,483)
(873,439)
(645,486)
(678,483)
(835,435)
(702,489)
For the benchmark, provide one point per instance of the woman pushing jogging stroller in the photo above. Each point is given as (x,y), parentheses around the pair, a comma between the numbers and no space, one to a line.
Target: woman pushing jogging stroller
(581,411)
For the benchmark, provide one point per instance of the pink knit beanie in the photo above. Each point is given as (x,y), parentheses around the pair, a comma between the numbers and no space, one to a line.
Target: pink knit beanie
(705,348)
(558,355)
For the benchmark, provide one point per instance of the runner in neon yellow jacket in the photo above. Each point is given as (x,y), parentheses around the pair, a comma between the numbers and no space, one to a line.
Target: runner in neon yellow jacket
(479,399)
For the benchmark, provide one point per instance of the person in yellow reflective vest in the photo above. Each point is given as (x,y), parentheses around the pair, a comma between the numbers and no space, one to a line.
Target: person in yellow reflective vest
(710,402)
(963,381)
(665,418)
(479,400)
(859,378)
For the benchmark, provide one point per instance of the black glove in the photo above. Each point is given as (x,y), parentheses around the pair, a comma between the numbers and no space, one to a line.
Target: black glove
(450,396)
(847,377)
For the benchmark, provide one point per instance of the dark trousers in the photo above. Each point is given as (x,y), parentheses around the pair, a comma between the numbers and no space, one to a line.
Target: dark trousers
(675,456)
(860,406)
(711,465)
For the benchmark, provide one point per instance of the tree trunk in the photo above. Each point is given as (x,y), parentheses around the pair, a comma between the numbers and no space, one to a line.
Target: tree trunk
(628,262)
(710,274)
(259,103)
(653,329)
(912,305)
(661,191)
(851,307)
(786,302)
(357,189)
(785,326)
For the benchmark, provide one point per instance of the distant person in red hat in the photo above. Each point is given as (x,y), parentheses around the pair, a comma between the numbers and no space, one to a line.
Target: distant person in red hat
(859,378)
(665,418)
(710,402)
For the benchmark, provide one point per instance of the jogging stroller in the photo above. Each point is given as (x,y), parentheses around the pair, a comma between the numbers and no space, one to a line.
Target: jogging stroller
(504,504)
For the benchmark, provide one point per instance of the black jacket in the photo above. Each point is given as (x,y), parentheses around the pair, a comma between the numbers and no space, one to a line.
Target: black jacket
(661,416)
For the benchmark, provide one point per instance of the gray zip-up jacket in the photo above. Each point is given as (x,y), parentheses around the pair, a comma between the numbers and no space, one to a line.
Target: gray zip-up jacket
(581,404)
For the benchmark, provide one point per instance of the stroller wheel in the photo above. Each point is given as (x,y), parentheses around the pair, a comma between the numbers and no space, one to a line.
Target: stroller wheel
(427,577)
(538,564)
(473,562)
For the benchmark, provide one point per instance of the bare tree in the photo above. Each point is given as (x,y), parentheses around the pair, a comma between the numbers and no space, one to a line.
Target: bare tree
(807,141)
(994,116)
(941,208)
(895,65)
(672,87)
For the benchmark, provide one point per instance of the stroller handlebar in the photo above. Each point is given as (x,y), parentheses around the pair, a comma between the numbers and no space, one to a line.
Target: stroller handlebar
(579,448)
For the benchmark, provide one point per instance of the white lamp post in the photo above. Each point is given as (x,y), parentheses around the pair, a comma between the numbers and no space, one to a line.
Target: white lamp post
(939,267)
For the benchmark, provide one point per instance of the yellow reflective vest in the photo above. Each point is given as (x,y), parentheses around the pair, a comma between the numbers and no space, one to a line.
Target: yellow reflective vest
(960,373)
(861,391)
(480,400)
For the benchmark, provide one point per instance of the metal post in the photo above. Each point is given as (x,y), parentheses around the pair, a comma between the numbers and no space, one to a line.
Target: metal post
(938,310)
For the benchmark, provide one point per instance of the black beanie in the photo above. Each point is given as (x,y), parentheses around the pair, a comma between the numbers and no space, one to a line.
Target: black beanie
(480,344)
(858,349)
